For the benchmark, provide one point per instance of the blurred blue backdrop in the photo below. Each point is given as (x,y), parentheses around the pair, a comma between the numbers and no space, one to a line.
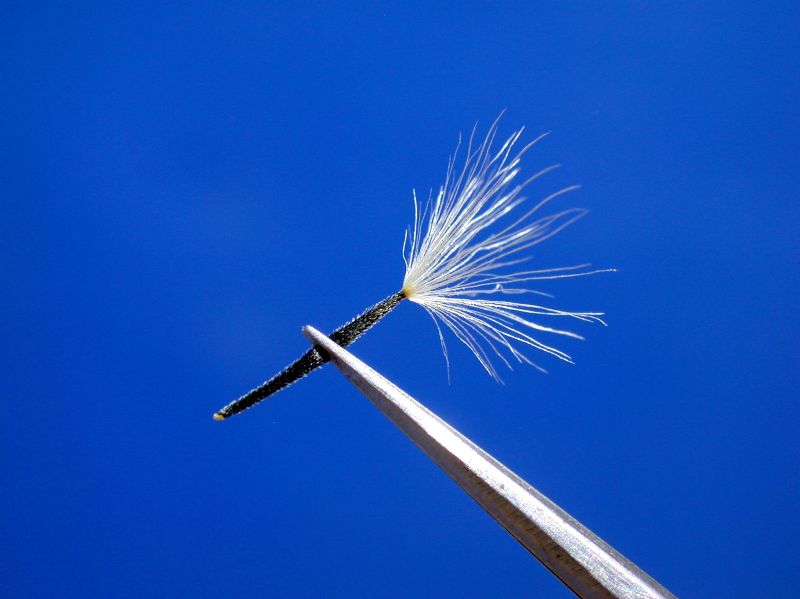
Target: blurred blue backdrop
(185,186)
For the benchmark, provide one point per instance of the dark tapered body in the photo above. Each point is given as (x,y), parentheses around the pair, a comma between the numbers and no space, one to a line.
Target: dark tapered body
(313,358)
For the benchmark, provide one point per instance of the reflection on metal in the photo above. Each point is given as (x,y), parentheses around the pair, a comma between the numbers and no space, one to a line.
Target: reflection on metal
(578,557)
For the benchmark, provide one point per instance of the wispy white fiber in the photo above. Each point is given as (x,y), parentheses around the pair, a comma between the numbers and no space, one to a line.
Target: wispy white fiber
(465,253)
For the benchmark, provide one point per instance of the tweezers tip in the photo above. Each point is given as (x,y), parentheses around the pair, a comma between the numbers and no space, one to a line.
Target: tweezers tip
(311,333)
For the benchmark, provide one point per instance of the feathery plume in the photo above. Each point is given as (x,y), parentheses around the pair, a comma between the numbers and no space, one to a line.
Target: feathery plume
(458,270)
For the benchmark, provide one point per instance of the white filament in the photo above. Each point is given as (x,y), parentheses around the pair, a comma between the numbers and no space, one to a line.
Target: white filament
(459,271)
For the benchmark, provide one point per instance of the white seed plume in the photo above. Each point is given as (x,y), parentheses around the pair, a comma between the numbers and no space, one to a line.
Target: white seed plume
(458,270)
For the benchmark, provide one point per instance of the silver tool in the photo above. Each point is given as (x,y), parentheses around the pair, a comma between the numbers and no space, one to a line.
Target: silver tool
(579,558)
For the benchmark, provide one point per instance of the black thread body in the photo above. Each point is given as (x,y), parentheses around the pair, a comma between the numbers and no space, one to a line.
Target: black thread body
(315,357)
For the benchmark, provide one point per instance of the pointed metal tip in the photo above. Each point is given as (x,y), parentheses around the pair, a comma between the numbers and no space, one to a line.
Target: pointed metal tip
(312,334)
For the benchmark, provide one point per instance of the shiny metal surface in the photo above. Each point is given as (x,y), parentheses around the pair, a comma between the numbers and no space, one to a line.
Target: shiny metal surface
(578,557)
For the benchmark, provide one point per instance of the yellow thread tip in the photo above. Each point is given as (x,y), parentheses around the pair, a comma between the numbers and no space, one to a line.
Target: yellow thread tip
(218,417)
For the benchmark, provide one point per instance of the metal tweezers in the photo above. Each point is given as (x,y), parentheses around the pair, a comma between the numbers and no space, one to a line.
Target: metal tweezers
(585,563)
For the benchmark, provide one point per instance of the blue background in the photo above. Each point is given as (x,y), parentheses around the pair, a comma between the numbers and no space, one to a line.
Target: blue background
(185,186)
